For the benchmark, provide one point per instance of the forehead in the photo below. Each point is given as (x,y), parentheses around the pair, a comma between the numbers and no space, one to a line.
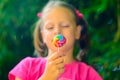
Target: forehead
(59,14)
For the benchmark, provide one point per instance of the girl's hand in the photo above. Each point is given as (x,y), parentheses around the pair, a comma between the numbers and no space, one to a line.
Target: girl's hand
(17,78)
(54,67)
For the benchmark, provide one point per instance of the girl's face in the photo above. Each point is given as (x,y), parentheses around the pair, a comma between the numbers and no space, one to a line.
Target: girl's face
(60,20)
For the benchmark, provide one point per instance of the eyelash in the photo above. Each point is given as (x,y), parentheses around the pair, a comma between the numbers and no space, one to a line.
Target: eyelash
(66,26)
(50,28)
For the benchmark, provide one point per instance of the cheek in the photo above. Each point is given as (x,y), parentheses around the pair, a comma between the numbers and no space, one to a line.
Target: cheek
(70,36)
(46,34)
(71,33)
(47,37)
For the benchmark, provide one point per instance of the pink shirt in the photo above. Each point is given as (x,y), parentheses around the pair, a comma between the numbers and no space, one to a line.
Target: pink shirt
(32,68)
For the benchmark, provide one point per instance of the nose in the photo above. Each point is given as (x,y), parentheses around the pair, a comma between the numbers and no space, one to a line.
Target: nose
(57,30)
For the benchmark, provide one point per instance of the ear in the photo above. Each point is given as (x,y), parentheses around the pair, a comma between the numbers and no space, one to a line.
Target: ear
(78,32)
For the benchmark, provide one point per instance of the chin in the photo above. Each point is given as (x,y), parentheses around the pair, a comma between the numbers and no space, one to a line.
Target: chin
(65,48)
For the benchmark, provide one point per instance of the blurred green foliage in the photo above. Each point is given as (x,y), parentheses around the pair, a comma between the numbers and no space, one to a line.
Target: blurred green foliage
(17,20)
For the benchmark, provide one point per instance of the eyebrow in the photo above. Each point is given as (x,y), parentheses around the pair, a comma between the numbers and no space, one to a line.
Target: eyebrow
(47,22)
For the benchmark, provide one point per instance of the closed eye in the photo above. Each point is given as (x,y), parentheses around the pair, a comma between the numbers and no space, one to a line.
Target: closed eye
(49,28)
(65,26)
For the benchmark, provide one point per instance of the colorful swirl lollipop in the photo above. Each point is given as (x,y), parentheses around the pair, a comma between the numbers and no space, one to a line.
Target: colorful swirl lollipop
(59,40)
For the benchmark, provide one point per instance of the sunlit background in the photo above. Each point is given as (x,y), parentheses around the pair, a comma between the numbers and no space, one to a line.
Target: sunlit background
(17,22)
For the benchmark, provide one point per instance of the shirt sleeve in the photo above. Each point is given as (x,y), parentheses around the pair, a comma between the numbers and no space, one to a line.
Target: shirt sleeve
(20,70)
(93,75)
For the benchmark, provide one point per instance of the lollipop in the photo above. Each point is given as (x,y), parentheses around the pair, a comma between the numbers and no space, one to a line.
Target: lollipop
(59,40)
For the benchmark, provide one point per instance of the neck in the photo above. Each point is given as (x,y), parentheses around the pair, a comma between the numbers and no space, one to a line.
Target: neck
(69,57)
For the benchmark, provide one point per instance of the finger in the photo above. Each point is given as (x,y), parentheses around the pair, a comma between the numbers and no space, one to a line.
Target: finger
(60,65)
(59,60)
(61,70)
(55,56)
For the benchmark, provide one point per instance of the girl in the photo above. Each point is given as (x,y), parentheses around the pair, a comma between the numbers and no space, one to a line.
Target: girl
(57,18)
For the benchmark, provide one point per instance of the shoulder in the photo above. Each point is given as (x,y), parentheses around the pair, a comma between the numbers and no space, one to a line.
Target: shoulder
(21,70)
(91,73)
(81,71)
(30,61)
(33,60)
(27,59)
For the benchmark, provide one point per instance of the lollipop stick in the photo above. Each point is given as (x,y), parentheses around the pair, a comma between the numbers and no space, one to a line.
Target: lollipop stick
(58,49)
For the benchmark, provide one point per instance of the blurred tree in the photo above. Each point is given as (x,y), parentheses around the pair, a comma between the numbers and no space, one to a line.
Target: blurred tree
(117,36)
